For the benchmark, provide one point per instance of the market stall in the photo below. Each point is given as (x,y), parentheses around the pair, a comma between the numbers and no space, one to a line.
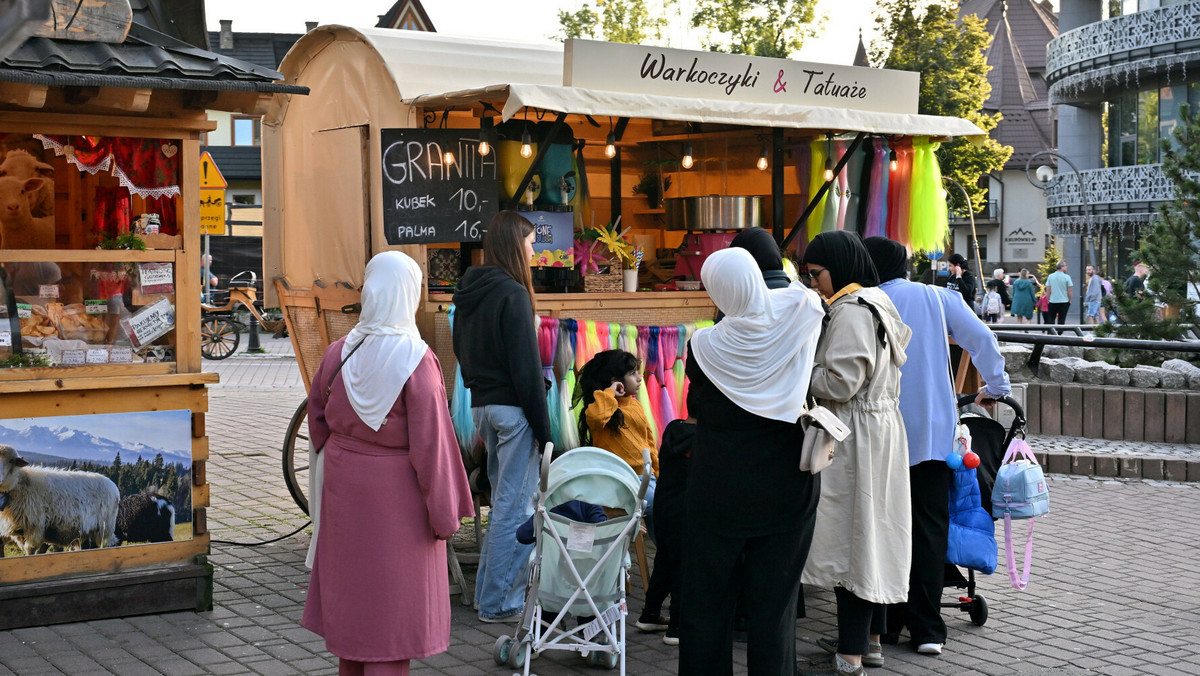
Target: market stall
(102,388)
(412,141)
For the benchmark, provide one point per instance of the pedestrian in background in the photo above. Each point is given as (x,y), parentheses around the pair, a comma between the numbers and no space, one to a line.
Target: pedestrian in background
(1092,295)
(1024,297)
(1059,285)
(394,487)
(495,341)
(961,280)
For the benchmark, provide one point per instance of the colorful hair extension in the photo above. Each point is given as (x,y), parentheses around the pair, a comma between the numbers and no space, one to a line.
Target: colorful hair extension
(816,180)
(614,336)
(930,221)
(843,186)
(460,404)
(877,192)
(857,171)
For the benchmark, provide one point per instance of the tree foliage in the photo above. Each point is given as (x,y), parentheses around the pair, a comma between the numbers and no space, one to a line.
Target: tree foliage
(927,37)
(1171,249)
(628,21)
(773,28)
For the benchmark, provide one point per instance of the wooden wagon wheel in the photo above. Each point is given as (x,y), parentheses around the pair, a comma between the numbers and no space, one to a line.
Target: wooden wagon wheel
(295,456)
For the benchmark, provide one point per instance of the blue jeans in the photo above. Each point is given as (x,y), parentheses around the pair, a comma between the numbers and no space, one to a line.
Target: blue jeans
(513,467)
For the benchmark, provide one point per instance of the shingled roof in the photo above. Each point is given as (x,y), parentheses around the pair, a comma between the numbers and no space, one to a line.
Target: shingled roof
(1020,31)
(147,58)
(262,49)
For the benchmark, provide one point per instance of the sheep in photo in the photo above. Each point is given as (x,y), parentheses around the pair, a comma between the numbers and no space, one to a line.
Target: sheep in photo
(18,227)
(45,506)
(21,165)
(145,518)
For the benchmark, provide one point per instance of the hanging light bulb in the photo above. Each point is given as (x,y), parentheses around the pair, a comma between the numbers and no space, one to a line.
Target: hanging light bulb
(762,159)
(892,157)
(828,169)
(484,148)
(526,144)
(610,146)
(448,158)
(687,156)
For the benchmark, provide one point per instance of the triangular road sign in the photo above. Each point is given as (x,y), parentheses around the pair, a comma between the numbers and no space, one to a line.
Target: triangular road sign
(210,175)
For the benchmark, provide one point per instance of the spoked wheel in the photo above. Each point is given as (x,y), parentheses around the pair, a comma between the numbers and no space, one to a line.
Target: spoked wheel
(219,337)
(978,611)
(295,456)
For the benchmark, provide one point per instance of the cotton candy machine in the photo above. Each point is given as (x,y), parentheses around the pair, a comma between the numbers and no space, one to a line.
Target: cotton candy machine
(711,221)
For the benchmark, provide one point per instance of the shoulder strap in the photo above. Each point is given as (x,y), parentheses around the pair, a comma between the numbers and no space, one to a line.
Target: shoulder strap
(879,330)
(329,385)
(1019,581)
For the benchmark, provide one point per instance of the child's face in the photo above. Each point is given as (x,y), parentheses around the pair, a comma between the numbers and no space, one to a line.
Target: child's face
(632,382)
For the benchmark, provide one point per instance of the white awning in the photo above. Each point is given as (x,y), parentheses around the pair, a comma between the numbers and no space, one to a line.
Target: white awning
(574,100)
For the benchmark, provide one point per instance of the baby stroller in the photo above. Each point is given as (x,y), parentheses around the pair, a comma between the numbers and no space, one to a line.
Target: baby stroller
(989,440)
(579,569)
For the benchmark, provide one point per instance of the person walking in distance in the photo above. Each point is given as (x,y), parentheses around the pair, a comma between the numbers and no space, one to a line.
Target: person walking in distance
(961,279)
(1092,295)
(1059,283)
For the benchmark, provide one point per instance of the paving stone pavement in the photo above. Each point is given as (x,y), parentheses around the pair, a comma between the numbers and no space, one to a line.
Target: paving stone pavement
(1115,586)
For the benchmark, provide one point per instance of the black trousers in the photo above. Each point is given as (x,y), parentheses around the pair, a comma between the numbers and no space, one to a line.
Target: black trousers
(1058,312)
(857,620)
(667,576)
(770,577)
(930,483)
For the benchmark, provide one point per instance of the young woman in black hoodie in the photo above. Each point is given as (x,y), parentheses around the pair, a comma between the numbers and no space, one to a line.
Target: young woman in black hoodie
(495,342)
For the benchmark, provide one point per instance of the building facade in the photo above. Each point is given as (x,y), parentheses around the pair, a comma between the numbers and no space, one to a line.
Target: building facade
(1117,73)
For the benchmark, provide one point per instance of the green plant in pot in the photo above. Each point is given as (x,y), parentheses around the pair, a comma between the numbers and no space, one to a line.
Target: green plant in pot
(652,184)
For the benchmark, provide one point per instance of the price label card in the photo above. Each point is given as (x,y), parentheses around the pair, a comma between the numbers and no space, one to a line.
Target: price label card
(74,357)
(24,310)
(5,338)
(96,356)
(150,322)
(580,537)
(96,307)
(48,290)
(156,277)
(120,355)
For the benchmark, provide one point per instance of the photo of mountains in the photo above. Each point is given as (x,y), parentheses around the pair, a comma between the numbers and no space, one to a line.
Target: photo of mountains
(99,438)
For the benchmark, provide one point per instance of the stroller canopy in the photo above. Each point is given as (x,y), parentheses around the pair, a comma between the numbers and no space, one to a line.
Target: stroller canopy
(592,475)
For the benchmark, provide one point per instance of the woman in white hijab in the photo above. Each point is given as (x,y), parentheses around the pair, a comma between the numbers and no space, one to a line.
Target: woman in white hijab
(746,494)
(394,486)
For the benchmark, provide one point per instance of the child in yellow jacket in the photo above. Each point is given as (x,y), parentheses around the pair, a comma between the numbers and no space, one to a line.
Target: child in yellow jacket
(612,417)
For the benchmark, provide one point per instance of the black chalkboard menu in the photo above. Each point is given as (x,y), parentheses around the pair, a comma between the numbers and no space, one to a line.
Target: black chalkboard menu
(428,199)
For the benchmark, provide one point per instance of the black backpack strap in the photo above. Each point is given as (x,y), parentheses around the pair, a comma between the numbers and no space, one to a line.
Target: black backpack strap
(329,386)
(879,330)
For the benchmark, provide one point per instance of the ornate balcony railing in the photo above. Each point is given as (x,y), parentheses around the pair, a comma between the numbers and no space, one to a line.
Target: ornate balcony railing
(1119,197)
(1121,50)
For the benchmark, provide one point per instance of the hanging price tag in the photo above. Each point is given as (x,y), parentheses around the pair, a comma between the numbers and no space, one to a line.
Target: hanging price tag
(48,290)
(96,307)
(24,310)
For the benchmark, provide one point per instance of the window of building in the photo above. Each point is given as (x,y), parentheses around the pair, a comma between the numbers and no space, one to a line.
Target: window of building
(1147,127)
(983,252)
(247,131)
(1122,126)
(243,199)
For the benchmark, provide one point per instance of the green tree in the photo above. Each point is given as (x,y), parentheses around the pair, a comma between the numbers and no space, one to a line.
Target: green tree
(950,56)
(628,21)
(773,28)
(1049,264)
(1171,249)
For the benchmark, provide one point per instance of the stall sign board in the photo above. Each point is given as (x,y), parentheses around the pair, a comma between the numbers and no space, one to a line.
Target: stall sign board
(426,198)
(659,71)
(150,322)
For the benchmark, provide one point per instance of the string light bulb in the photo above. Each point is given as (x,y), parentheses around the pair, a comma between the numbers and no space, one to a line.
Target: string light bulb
(828,169)
(610,146)
(762,159)
(484,148)
(892,157)
(687,156)
(526,144)
(448,158)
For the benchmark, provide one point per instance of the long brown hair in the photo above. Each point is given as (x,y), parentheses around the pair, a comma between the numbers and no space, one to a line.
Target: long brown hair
(504,247)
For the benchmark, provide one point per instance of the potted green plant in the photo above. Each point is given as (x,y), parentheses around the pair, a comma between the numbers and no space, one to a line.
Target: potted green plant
(652,184)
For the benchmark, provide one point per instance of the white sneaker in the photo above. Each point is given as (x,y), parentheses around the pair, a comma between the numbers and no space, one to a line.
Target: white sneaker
(930,648)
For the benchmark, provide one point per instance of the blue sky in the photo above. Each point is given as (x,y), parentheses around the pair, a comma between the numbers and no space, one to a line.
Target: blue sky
(168,430)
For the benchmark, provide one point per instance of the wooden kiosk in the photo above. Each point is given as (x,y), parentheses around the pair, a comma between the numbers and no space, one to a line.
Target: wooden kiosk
(101,344)
(360,166)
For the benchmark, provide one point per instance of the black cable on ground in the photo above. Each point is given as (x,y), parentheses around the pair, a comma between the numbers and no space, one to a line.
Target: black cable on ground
(264,542)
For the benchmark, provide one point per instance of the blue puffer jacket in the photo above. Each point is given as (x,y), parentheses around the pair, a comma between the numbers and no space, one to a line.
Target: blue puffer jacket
(972,542)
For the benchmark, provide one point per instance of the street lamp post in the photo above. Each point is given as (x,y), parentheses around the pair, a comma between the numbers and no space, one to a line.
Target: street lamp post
(974,235)
(1042,180)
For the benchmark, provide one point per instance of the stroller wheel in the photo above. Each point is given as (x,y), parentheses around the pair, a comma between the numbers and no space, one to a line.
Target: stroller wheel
(602,660)
(502,649)
(978,611)
(516,654)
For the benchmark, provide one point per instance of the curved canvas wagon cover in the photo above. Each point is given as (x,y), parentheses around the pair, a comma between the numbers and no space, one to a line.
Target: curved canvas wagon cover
(321,153)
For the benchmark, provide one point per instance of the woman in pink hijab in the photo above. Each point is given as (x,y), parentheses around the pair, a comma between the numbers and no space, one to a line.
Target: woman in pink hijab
(394,486)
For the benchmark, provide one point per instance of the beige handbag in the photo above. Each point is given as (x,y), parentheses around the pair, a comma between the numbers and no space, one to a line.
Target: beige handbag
(822,431)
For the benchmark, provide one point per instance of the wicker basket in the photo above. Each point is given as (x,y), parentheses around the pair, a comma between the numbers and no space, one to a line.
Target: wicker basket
(604,282)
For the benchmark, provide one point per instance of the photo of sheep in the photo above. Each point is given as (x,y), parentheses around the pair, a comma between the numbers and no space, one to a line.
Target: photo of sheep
(81,482)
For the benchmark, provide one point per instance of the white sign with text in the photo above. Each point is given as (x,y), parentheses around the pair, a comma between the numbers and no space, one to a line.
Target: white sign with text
(660,71)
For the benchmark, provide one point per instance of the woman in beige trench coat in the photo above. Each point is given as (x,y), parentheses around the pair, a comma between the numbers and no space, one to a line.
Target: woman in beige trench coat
(861,545)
